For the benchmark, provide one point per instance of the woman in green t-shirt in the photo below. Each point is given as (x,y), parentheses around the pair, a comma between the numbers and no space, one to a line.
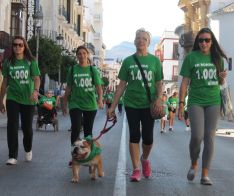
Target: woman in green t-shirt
(203,70)
(83,82)
(136,103)
(21,82)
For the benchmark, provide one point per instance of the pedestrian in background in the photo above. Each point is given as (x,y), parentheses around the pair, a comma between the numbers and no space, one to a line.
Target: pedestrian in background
(164,119)
(203,70)
(83,82)
(173,105)
(186,117)
(137,106)
(21,82)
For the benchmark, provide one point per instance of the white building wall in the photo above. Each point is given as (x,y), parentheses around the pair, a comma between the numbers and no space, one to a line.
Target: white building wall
(168,61)
(223,27)
(5,13)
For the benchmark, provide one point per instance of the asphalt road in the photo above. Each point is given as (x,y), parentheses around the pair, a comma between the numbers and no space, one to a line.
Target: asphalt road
(49,174)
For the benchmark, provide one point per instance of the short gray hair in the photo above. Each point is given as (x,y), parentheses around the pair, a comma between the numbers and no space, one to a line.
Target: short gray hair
(142,30)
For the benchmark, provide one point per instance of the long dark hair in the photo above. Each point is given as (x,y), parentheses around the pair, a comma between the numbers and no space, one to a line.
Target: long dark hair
(215,51)
(27,52)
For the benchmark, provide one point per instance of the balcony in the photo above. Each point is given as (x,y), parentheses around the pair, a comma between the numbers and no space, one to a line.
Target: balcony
(186,40)
(22,3)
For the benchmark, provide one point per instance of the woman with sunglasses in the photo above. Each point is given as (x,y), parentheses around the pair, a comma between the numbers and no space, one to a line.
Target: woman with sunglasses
(203,70)
(21,83)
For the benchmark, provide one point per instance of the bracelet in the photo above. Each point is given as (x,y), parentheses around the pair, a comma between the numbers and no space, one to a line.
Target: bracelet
(181,102)
(36,90)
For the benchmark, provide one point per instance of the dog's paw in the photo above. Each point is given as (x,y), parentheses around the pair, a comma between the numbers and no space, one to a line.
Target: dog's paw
(75,180)
(101,175)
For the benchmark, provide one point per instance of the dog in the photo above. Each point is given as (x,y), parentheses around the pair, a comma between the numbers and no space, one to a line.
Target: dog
(88,153)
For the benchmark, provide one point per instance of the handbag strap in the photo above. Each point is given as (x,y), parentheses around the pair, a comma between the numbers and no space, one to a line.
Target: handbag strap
(143,77)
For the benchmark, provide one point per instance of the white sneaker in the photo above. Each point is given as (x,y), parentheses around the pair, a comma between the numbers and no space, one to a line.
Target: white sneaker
(187,129)
(28,156)
(11,161)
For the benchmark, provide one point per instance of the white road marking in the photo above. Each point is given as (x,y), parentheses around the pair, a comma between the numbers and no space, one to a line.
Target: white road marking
(120,179)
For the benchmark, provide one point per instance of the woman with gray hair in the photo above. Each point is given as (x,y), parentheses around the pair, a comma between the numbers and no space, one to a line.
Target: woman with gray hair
(136,101)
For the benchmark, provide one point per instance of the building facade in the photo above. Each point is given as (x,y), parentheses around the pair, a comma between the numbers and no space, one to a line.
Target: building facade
(167,51)
(221,20)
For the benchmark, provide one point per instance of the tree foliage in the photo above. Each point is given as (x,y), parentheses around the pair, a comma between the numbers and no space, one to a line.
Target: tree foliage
(50,58)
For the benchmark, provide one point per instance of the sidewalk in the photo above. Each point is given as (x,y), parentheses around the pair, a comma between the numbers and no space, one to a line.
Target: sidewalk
(224,124)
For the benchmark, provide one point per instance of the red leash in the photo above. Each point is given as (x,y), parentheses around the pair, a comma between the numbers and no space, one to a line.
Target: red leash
(106,129)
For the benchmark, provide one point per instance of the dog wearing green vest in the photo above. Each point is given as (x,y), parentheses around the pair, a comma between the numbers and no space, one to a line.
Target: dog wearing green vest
(86,152)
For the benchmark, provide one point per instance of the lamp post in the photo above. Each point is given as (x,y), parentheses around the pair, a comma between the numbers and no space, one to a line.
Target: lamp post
(38,17)
(59,39)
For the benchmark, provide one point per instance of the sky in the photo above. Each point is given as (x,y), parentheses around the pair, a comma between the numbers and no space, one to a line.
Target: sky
(121,18)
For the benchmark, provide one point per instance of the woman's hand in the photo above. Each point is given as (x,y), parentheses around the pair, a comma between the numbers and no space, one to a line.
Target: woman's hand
(181,112)
(110,112)
(100,103)
(2,107)
(223,74)
(34,96)
(157,105)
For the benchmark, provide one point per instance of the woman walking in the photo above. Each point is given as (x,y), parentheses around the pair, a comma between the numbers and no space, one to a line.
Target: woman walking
(83,82)
(136,102)
(203,70)
(21,82)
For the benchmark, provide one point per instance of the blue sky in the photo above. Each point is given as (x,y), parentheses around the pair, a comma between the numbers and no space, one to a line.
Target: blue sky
(121,18)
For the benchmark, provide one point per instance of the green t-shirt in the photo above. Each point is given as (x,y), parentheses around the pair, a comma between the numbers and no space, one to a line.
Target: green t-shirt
(48,100)
(204,87)
(135,94)
(20,75)
(173,102)
(83,87)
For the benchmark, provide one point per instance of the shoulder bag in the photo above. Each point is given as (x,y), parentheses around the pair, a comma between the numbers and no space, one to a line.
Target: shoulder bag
(155,115)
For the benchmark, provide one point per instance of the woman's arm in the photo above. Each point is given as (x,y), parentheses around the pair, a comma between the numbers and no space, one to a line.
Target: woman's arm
(182,95)
(100,95)
(65,99)
(34,96)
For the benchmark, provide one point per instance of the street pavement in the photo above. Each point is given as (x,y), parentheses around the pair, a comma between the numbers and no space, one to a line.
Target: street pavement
(49,174)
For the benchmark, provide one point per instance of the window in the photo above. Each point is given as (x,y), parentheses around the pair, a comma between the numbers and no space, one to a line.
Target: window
(175,73)
(175,51)
(78,24)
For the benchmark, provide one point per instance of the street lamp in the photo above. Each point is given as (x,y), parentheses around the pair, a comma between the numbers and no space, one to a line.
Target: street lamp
(59,39)
(38,17)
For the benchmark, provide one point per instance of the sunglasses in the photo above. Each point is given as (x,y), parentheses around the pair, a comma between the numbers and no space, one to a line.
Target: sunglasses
(21,45)
(201,40)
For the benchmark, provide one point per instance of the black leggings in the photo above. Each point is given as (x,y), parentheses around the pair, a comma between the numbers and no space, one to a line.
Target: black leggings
(76,117)
(26,113)
(135,117)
